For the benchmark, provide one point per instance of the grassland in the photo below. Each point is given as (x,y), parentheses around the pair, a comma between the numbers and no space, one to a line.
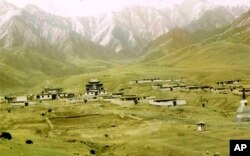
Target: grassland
(22,68)
(110,130)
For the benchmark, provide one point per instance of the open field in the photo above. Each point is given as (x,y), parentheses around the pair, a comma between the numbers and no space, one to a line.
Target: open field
(110,129)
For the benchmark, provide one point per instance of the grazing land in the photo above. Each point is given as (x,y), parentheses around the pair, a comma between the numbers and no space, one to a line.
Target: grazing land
(111,129)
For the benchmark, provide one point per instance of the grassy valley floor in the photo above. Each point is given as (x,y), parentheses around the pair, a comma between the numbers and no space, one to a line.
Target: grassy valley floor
(135,130)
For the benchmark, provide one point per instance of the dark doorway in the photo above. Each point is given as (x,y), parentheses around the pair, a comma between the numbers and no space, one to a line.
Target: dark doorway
(136,102)
(38,96)
(174,102)
(53,96)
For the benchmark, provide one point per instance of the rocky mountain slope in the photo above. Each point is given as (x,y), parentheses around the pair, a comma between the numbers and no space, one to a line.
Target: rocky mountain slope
(126,32)
(32,27)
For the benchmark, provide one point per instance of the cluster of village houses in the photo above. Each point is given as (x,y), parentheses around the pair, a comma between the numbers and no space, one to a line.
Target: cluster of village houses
(95,92)
(224,87)
(221,87)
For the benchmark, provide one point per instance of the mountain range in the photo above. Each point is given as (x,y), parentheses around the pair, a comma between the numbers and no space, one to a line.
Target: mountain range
(37,46)
(126,32)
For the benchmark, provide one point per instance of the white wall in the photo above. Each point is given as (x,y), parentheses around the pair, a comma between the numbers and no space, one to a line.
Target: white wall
(21,98)
(119,102)
(144,81)
(168,103)
(18,104)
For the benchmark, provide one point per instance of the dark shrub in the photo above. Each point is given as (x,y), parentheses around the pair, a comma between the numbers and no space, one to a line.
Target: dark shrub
(6,135)
(50,110)
(92,152)
(29,142)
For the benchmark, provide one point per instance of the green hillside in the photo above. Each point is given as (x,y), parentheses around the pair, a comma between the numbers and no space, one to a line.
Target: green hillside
(22,68)
(176,39)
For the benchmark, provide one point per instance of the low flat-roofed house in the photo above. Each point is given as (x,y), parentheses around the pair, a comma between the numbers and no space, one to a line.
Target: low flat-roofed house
(150,98)
(149,80)
(65,95)
(133,81)
(156,86)
(182,87)
(20,101)
(228,82)
(10,98)
(167,102)
(22,98)
(240,91)
(167,87)
(220,83)
(235,88)
(129,98)
(145,81)
(158,80)
(236,81)
(176,87)
(206,88)
(167,80)
(106,98)
(53,94)
(126,99)
(220,90)
(117,94)
(53,90)
(2,99)
(45,96)
(193,88)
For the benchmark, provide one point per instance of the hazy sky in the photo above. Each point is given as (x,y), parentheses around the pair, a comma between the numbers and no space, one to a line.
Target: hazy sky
(91,7)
